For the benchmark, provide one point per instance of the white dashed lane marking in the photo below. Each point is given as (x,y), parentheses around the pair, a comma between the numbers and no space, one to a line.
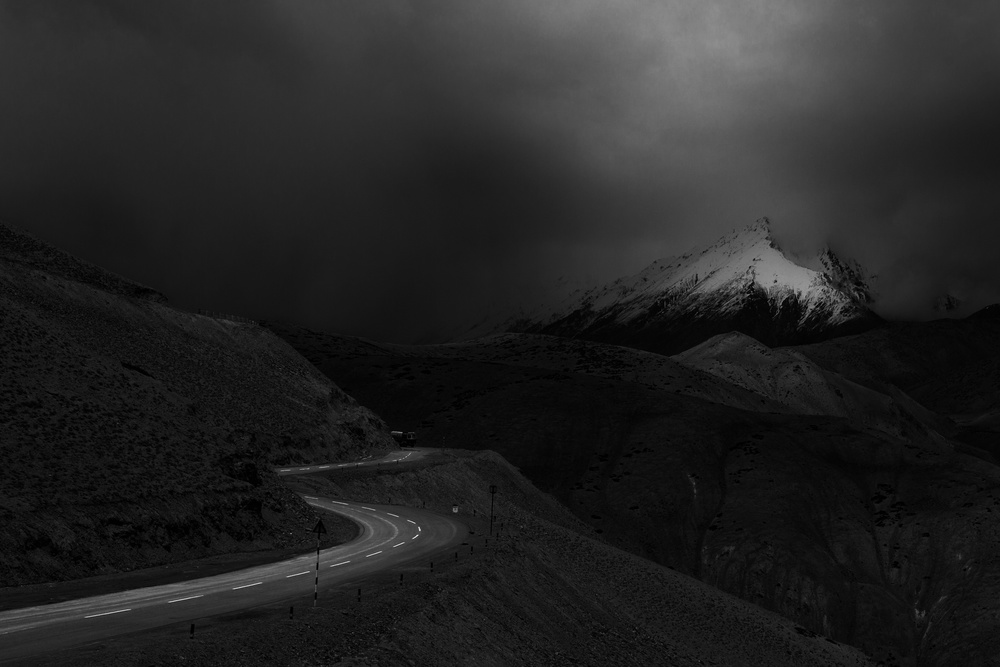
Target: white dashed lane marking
(398,545)
(368,508)
(338,502)
(339,564)
(108,613)
(412,521)
(248,585)
(391,514)
(415,536)
(183,599)
(374,554)
(297,574)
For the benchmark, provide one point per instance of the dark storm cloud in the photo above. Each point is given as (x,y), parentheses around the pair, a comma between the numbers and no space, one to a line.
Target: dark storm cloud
(393,168)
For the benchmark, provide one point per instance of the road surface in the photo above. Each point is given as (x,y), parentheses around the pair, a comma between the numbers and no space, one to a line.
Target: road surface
(391,536)
(390,459)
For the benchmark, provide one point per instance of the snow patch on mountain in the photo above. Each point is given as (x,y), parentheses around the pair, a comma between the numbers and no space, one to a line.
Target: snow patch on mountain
(744,281)
(734,265)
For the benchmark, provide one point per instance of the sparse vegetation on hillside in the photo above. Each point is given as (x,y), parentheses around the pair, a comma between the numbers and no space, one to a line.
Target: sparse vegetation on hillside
(133,434)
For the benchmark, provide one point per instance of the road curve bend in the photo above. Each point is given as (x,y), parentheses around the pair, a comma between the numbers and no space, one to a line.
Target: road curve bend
(391,536)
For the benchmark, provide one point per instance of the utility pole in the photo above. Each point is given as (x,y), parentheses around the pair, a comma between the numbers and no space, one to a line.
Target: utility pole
(319,529)
(493,493)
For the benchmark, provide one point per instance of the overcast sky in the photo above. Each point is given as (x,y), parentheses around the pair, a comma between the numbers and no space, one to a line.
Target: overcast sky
(394,168)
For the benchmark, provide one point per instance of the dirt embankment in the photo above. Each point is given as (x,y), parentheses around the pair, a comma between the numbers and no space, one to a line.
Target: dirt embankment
(133,434)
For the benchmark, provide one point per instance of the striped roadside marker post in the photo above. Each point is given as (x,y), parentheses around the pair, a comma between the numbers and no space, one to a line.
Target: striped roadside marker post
(319,530)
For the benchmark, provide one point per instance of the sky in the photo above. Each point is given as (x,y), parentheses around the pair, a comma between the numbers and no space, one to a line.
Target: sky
(398,169)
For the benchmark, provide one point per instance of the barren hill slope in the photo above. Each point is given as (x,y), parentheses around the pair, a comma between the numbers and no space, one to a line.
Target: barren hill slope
(134,434)
(950,366)
(537,593)
(884,538)
(790,378)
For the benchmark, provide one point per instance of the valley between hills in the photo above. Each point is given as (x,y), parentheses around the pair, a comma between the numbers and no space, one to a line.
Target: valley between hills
(835,502)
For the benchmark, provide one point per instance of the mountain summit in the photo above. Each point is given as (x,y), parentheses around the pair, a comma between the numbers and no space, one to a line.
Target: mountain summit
(742,282)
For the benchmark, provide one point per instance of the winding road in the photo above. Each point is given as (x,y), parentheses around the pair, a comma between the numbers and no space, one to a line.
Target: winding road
(391,537)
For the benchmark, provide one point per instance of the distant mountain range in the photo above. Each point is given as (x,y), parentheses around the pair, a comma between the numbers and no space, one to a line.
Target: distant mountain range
(743,282)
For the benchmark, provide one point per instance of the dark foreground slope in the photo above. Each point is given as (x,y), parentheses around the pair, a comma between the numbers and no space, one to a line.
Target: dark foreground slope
(869,528)
(133,434)
(541,595)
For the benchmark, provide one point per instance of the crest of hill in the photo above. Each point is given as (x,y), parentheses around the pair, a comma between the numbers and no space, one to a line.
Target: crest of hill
(18,246)
(535,352)
(134,434)
(952,366)
(789,377)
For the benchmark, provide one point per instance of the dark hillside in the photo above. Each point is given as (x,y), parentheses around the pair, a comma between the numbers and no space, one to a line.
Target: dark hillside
(542,594)
(875,531)
(19,247)
(133,434)
(949,366)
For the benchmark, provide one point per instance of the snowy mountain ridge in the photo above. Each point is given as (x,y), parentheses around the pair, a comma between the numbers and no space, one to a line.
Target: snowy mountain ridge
(743,281)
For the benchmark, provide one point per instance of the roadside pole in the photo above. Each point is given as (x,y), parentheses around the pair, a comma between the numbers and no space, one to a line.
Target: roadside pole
(319,530)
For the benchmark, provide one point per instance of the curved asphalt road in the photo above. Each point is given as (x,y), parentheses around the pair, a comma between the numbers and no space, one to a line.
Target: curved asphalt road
(390,459)
(391,536)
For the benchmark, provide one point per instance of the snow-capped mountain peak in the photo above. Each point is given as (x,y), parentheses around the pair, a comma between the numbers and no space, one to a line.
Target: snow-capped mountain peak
(743,281)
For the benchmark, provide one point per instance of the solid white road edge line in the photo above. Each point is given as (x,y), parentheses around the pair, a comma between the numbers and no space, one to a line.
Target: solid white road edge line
(183,599)
(248,585)
(119,611)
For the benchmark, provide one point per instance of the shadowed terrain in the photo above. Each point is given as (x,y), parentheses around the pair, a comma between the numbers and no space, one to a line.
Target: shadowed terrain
(950,366)
(539,592)
(848,486)
(848,512)
(134,434)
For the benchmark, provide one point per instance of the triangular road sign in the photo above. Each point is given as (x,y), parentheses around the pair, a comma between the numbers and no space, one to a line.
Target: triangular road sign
(320,528)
